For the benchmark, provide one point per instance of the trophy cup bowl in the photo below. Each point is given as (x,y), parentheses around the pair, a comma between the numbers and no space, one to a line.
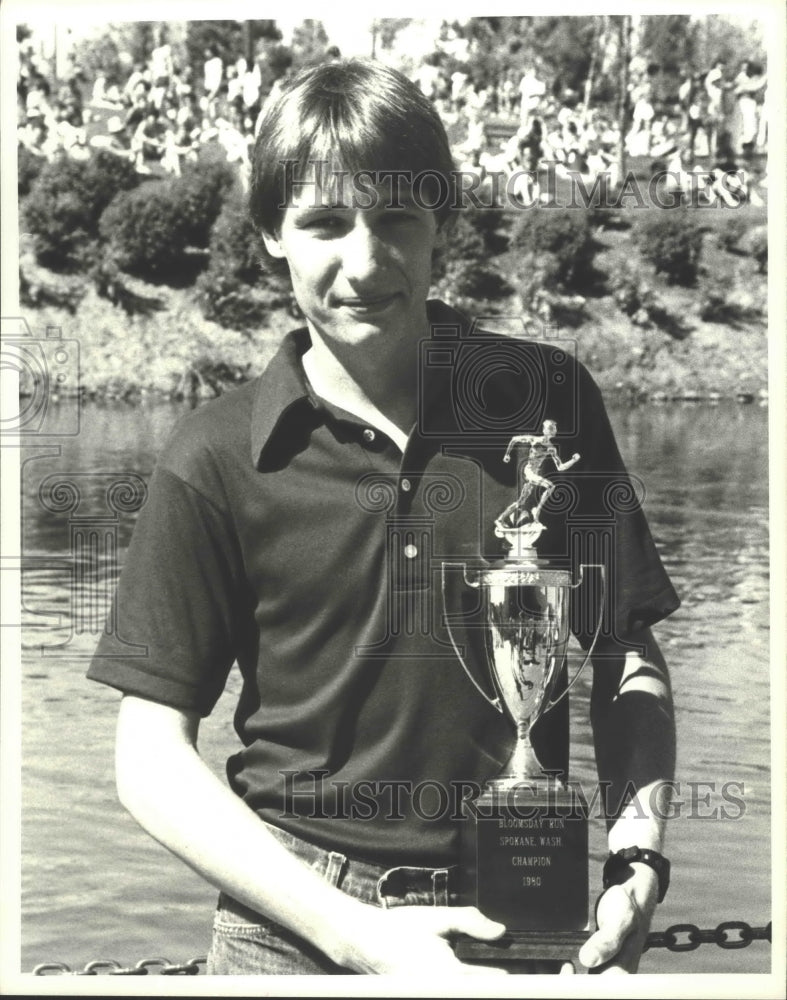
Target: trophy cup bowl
(526,639)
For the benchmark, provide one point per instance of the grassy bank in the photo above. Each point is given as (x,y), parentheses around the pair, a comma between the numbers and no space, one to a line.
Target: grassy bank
(642,334)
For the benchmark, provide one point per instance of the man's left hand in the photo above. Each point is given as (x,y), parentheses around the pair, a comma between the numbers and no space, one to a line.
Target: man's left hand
(623,915)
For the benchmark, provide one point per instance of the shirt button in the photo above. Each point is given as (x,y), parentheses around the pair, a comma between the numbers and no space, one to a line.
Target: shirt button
(406,485)
(410,551)
(369,435)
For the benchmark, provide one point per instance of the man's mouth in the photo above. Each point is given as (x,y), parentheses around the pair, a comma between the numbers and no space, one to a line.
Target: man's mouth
(367,303)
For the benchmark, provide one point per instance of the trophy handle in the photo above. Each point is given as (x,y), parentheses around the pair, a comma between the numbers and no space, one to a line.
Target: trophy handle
(472,579)
(600,567)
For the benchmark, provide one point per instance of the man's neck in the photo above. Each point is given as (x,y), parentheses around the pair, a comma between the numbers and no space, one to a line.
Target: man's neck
(380,391)
(331,380)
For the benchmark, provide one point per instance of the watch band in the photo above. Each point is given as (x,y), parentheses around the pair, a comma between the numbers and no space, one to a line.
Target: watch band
(617,870)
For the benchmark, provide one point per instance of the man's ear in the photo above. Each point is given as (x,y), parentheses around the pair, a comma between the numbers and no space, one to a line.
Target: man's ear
(273,246)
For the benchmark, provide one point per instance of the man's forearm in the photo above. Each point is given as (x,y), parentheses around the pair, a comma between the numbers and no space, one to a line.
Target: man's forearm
(634,734)
(202,821)
(205,824)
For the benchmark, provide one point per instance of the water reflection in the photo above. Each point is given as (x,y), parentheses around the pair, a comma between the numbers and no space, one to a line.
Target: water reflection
(93,882)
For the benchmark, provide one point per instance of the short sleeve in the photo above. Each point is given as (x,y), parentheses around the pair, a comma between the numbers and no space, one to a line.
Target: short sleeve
(176,621)
(612,531)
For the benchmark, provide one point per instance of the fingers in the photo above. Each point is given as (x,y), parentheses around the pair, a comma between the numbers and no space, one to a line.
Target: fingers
(468,920)
(618,916)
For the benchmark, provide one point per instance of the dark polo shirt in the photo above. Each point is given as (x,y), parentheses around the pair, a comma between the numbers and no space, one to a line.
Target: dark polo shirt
(284,534)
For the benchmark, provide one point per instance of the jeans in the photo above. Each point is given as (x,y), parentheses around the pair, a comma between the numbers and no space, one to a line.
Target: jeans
(246,943)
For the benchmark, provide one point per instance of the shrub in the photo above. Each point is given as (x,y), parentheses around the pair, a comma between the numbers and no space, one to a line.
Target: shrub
(714,305)
(464,240)
(35,292)
(487,222)
(722,300)
(65,203)
(558,241)
(201,192)
(234,241)
(29,166)
(478,281)
(147,231)
(632,294)
(672,241)
(756,244)
(106,175)
(463,271)
(233,290)
(607,216)
(732,232)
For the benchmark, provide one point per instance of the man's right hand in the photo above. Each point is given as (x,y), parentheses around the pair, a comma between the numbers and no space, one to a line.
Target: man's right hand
(416,939)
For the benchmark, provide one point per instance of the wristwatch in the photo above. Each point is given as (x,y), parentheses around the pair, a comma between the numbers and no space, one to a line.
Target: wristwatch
(617,871)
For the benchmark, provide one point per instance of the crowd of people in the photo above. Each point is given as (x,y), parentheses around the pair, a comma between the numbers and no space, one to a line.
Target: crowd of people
(706,141)
(158,118)
(163,113)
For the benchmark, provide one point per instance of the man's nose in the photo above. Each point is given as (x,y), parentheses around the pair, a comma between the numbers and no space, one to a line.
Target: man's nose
(362,253)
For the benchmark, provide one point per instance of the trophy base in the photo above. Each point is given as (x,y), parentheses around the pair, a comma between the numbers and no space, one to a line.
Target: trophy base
(524,862)
(516,946)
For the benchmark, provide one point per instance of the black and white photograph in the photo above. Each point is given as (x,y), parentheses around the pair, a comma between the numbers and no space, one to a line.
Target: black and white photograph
(393,536)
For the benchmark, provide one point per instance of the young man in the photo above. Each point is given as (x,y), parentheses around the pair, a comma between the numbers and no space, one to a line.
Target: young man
(298,526)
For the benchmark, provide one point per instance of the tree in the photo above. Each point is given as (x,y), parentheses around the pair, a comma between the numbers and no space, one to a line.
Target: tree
(715,37)
(230,40)
(667,40)
(624,104)
(565,45)
(115,47)
(499,45)
(224,37)
(309,42)
(385,29)
(140,39)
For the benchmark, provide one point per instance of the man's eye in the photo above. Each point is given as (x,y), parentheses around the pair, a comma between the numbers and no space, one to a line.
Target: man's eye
(326,224)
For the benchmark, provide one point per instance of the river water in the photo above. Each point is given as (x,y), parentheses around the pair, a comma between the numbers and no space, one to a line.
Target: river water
(95,886)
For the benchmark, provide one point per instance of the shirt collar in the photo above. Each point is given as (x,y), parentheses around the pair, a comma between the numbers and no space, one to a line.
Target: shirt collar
(283,390)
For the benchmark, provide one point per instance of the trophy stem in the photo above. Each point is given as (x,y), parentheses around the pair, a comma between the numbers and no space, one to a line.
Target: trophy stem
(523,766)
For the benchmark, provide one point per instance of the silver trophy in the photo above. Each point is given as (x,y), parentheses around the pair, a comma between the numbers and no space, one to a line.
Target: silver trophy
(534,880)
(526,612)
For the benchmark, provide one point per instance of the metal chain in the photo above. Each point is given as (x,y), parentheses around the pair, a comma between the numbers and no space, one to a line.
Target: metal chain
(109,967)
(730,935)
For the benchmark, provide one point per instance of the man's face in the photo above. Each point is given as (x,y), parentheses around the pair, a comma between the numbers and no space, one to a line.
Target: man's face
(358,273)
